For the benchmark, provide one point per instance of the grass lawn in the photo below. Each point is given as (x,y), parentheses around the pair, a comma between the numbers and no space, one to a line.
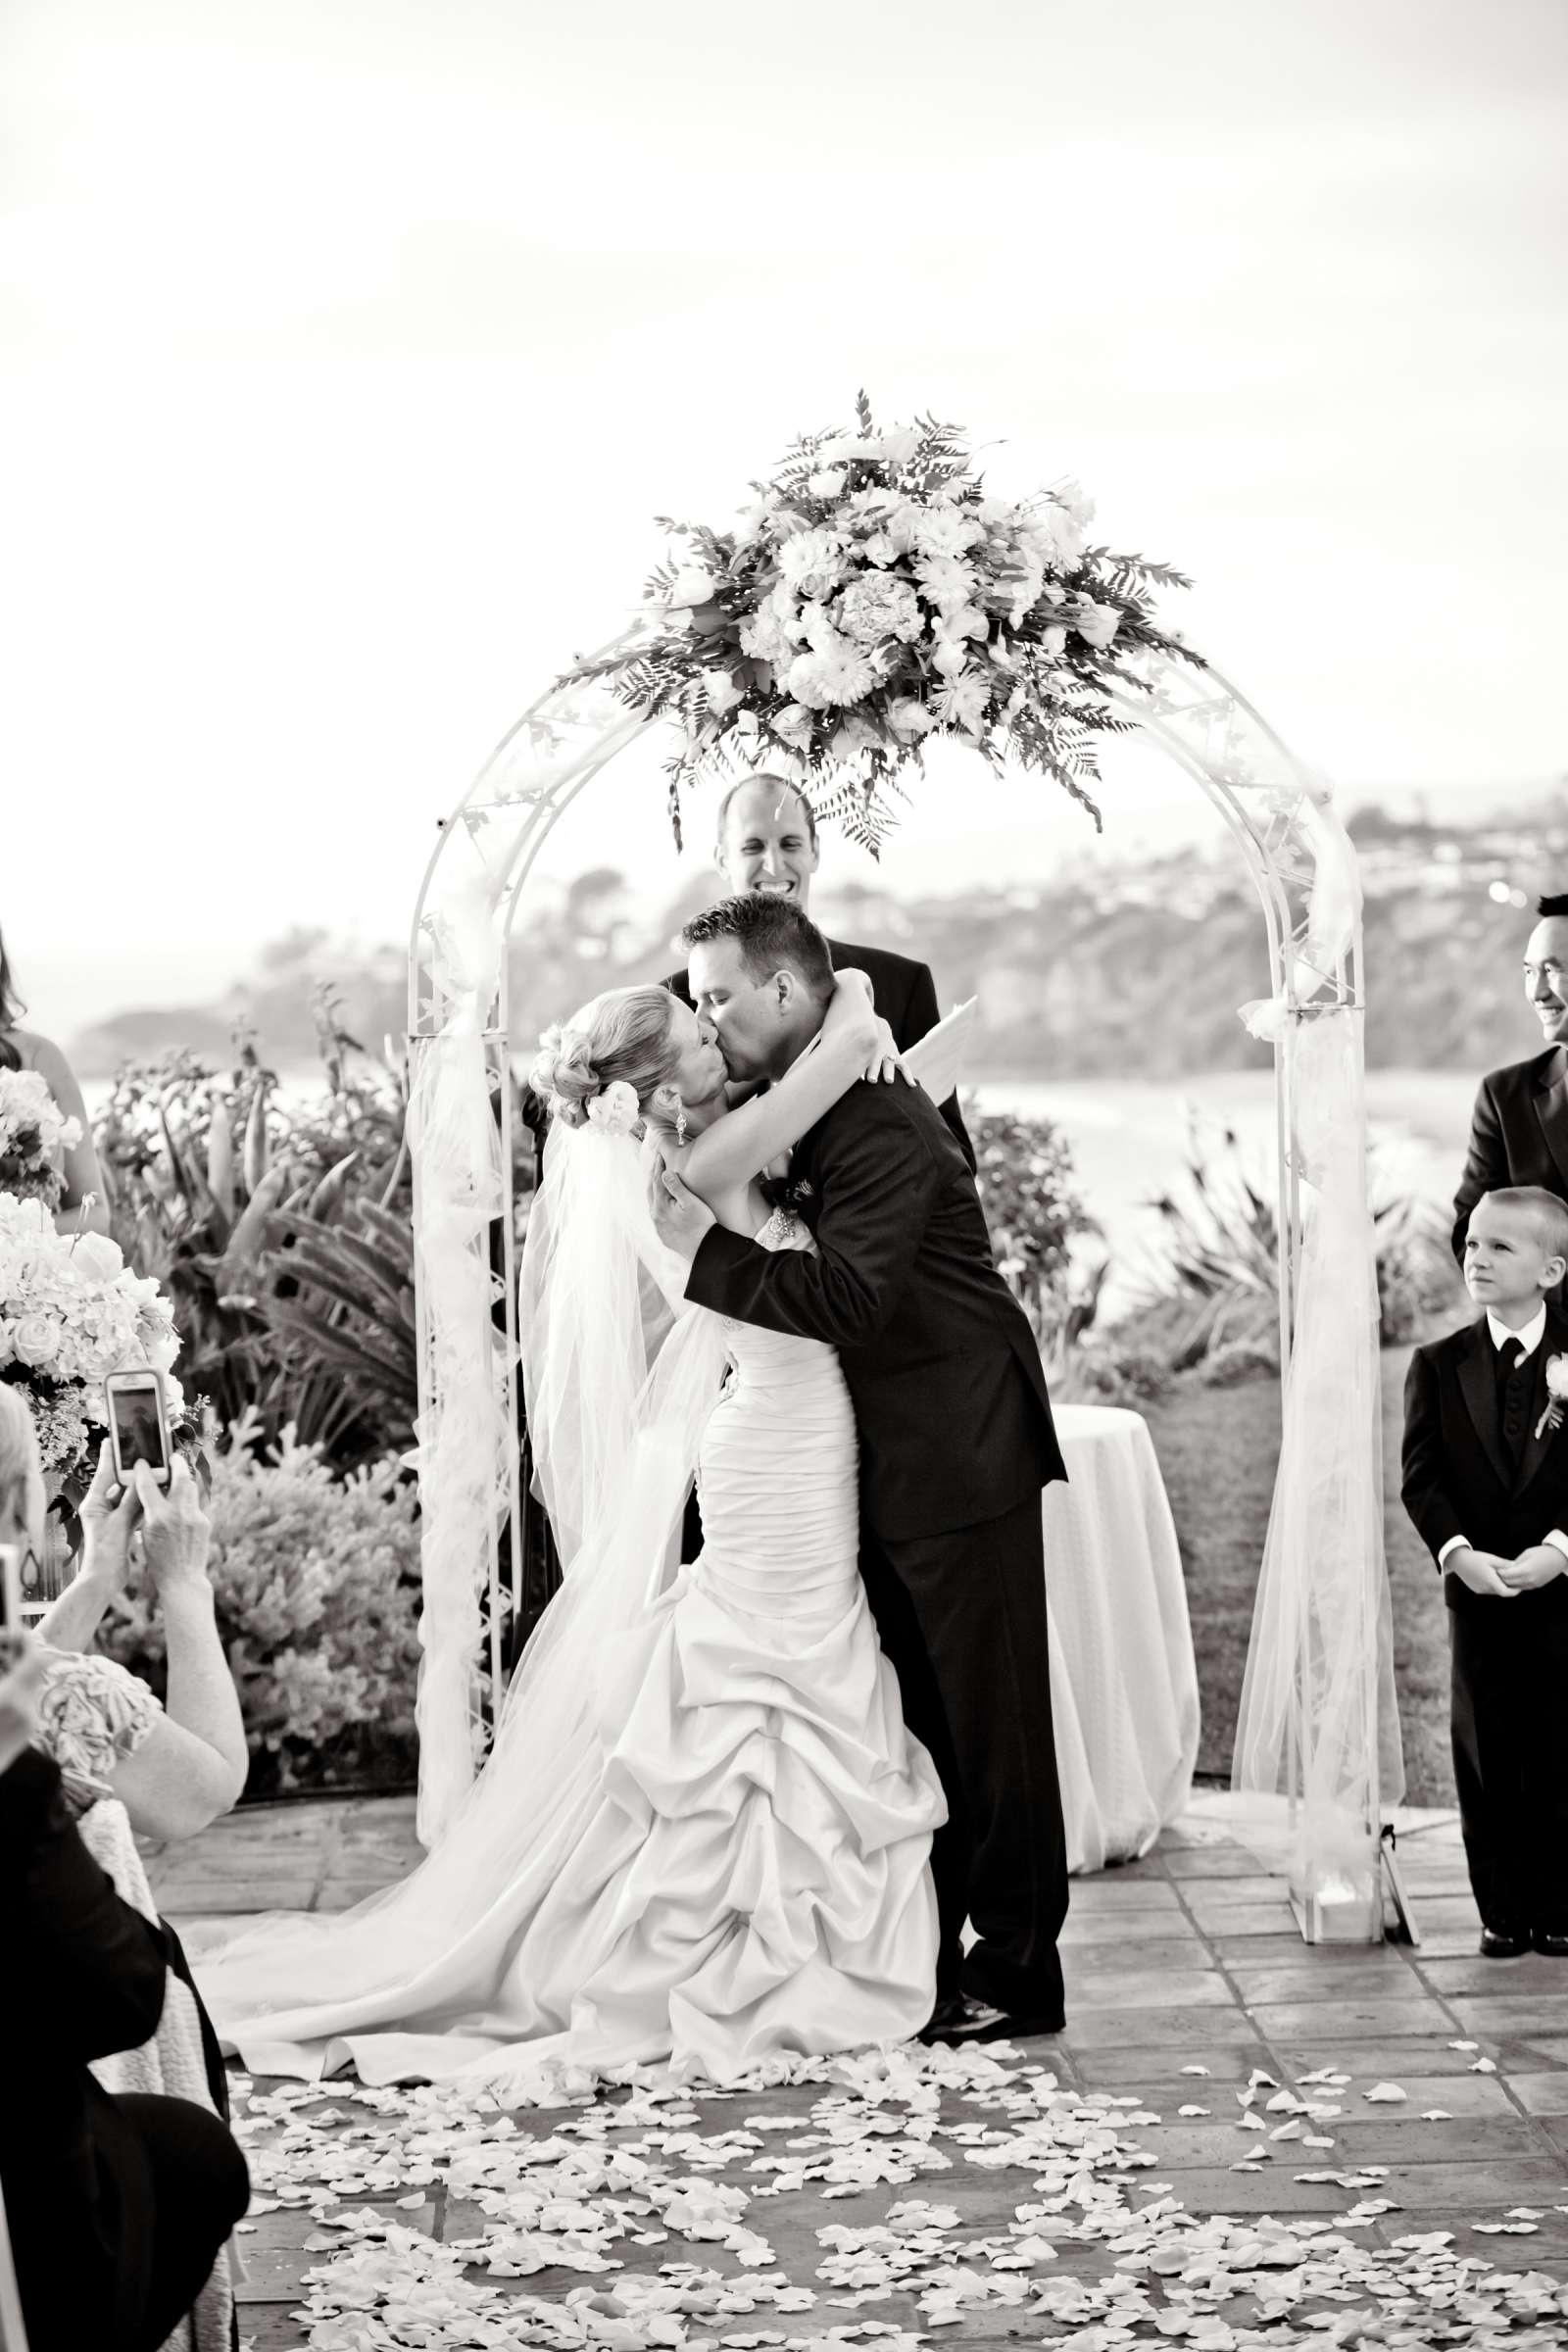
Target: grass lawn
(1218,1449)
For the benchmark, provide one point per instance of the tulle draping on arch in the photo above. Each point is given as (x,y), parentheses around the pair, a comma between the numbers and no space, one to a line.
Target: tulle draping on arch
(1317,1753)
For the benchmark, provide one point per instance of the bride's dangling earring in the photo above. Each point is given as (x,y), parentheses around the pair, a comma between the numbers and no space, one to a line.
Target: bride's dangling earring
(680,1126)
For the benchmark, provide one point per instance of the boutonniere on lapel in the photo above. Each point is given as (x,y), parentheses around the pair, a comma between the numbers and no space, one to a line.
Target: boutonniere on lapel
(1557,1391)
(788,1192)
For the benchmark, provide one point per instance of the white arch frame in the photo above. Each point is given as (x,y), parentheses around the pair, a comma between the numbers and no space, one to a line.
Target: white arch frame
(462,1123)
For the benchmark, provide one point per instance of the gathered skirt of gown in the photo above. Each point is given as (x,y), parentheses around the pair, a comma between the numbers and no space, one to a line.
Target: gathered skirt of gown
(745,1869)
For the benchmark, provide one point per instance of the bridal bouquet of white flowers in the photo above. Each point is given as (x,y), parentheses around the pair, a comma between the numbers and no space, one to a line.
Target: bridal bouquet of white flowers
(874,596)
(33,1129)
(72,1311)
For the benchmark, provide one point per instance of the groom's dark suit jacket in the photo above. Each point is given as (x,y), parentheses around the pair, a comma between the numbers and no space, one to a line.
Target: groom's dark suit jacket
(905,997)
(1518,1134)
(1459,1479)
(941,1363)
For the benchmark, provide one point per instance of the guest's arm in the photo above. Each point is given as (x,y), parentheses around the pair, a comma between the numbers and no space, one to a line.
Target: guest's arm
(1485,1166)
(1422,1487)
(84,1177)
(192,1765)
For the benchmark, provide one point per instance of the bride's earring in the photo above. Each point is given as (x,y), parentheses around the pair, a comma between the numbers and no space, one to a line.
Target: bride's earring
(681,1126)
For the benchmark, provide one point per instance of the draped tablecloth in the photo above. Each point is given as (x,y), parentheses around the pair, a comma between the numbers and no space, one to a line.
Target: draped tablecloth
(1123,1678)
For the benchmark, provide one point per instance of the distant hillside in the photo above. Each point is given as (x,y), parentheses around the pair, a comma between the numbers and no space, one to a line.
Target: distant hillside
(1134,973)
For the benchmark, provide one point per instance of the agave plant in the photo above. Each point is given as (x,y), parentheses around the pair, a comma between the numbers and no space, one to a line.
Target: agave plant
(337,1300)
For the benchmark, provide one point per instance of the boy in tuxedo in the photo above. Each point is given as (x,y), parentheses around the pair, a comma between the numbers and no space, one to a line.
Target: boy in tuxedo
(1485,1482)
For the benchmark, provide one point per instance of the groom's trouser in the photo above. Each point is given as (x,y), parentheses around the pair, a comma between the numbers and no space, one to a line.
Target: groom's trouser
(962,1620)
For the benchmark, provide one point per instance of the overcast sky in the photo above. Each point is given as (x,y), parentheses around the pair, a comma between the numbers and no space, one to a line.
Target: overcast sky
(347,354)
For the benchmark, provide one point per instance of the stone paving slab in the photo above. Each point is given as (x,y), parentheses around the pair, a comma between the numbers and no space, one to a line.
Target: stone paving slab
(1188,1958)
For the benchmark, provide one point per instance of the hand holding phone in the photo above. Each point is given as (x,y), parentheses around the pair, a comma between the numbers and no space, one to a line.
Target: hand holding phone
(138,1424)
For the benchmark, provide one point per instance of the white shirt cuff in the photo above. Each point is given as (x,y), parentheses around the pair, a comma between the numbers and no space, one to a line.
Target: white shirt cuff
(1462,1544)
(1558,1542)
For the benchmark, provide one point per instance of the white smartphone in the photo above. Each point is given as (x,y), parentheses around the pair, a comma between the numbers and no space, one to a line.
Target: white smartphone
(138,1424)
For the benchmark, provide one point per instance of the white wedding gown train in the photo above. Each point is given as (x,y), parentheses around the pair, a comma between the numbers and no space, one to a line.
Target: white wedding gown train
(741,1865)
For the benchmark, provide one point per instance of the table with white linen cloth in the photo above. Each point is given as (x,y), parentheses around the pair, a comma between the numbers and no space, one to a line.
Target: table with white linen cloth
(1123,1678)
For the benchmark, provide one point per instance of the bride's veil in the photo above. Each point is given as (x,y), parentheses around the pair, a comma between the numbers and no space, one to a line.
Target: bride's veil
(619,1378)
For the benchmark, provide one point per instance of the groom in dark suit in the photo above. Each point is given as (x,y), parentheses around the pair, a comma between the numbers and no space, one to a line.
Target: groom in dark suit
(1519,1129)
(955,1444)
(767,843)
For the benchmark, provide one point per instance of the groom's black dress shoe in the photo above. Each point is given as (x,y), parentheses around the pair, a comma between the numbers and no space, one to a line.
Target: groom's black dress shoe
(1553,1942)
(1506,1943)
(959,2017)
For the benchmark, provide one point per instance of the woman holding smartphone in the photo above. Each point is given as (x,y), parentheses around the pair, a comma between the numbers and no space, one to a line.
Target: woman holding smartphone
(129,1765)
(84,1201)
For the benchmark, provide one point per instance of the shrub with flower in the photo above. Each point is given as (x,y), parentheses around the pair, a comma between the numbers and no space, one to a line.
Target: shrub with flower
(71,1312)
(874,596)
(34,1131)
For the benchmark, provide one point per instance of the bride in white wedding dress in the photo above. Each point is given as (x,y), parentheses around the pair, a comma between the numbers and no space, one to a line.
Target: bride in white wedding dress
(703,1835)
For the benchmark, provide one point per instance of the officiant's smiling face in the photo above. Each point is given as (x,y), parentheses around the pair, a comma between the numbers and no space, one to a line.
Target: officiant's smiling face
(767,840)
(1546,977)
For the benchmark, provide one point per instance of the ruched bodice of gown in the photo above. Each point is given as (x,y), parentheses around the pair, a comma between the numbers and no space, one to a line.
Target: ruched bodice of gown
(750,1873)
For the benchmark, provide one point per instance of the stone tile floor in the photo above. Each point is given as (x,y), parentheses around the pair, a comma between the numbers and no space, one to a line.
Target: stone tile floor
(1188,1957)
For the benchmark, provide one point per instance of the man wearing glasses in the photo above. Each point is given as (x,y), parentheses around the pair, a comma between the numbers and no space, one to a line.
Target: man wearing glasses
(1519,1130)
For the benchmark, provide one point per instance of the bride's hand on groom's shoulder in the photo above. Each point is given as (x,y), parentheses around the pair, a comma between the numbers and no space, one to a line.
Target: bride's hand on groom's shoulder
(680,1218)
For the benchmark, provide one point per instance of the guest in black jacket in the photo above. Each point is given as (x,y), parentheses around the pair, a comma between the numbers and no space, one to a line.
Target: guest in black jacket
(1519,1128)
(116,2207)
(767,841)
(1485,1482)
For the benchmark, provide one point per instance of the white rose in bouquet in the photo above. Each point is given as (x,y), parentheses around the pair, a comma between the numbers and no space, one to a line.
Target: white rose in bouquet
(793,725)
(897,449)
(1095,623)
(951,658)
(36,1340)
(693,584)
(827,481)
(909,719)
(721,690)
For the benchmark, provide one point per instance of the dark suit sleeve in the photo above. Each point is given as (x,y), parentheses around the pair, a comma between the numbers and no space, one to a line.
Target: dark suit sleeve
(1421,1488)
(878,1179)
(1485,1166)
(79,1968)
(921,1017)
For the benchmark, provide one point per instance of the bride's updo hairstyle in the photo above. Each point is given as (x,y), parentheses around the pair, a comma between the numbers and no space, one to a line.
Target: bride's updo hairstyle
(619,1039)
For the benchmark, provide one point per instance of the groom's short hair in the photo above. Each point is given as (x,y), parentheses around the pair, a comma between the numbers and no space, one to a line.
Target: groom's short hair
(769,932)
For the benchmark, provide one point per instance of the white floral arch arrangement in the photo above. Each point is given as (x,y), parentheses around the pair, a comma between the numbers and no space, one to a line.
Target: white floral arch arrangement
(871,595)
(872,598)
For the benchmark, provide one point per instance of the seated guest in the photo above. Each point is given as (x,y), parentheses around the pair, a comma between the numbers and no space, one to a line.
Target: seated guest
(23,1049)
(116,2207)
(1519,1128)
(1485,1482)
(129,1766)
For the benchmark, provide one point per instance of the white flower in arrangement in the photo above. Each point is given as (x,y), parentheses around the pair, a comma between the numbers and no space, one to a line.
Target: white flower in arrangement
(775,629)
(793,725)
(897,449)
(614,1109)
(812,561)
(823,678)
(721,690)
(1095,623)
(693,584)
(961,702)
(947,530)
(1075,501)
(951,657)
(827,481)
(949,583)
(871,608)
(910,719)
(749,523)
(1054,641)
